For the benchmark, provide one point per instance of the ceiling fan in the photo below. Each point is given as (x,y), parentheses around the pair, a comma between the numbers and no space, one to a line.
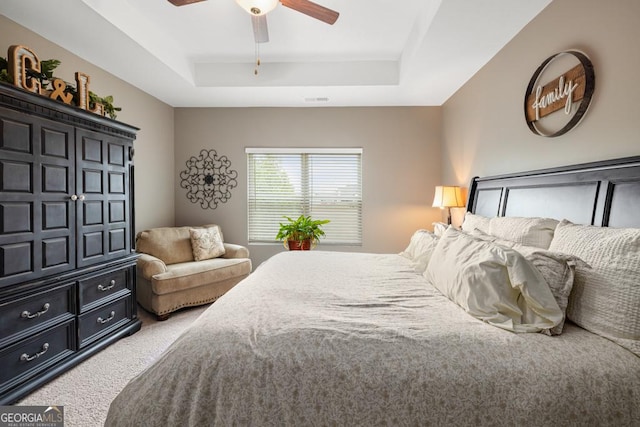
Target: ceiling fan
(258,10)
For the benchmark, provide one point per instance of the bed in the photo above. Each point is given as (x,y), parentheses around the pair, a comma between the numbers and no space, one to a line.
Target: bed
(333,338)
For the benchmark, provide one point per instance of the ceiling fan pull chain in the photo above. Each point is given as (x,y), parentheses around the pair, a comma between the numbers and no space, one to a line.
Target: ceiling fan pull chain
(255,71)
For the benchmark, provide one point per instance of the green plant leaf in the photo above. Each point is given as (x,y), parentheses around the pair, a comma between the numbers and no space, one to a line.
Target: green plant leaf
(302,228)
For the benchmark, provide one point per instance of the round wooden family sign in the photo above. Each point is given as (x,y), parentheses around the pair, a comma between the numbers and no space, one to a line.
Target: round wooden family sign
(569,93)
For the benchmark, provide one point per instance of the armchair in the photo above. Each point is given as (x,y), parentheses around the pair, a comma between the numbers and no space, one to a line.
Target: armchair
(169,277)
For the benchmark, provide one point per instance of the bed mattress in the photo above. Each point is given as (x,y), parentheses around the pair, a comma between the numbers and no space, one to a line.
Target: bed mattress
(333,338)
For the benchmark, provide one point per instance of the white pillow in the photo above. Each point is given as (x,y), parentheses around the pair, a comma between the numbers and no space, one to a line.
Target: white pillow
(557,269)
(536,232)
(439,228)
(423,252)
(420,248)
(474,222)
(605,298)
(206,243)
(411,248)
(492,283)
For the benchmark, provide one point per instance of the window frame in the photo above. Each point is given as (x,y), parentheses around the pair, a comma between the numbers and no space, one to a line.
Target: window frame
(305,151)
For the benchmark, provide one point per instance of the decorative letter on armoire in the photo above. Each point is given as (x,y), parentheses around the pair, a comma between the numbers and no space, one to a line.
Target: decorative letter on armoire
(67,261)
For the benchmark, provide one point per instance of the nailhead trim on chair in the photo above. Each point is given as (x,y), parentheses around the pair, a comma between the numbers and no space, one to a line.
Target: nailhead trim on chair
(190,304)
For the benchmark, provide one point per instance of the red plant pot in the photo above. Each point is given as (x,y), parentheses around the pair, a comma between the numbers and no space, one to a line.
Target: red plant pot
(296,245)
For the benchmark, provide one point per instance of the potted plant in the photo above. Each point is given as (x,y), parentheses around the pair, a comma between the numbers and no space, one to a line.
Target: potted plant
(302,233)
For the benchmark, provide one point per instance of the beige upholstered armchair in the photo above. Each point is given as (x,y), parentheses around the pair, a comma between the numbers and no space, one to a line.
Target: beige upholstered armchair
(186,266)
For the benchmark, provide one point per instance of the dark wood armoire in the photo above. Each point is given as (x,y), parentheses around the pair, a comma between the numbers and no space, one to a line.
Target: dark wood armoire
(67,261)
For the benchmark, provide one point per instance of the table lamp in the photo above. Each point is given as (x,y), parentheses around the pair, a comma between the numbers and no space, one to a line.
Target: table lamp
(448,197)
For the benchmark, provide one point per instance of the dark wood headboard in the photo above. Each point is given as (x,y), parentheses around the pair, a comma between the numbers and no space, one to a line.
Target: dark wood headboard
(605,193)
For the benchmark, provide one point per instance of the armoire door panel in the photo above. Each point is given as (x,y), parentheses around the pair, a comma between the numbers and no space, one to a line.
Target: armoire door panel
(116,154)
(16,258)
(55,215)
(91,182)
(55,252)
(92,212)
(15,136)
(91,149)
(55,143)
(93,244)
(116,183)
(16,176)
(16,217)
(117,240)
(117,211)
(55,179)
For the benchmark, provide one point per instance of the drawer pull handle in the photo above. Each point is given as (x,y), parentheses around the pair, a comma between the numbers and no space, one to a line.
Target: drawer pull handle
(26,358)
(108,319)
(27,314)
(106,288)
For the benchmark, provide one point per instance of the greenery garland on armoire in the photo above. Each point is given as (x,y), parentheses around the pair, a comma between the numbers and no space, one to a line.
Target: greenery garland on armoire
(22,67)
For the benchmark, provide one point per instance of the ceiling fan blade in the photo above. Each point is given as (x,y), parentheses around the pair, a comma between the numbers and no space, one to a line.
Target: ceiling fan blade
(183,2)
(260,29)
(313,10)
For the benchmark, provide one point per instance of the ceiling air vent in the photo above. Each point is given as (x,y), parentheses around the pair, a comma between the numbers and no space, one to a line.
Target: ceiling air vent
(318,99)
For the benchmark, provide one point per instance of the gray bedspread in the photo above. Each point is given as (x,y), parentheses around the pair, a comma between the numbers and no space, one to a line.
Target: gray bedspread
(349,339)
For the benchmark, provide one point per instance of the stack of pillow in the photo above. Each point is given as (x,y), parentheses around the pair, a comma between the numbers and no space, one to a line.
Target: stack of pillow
(529,274)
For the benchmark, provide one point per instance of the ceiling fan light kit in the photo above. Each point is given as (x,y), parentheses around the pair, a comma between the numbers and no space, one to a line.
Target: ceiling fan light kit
(258,10)
(257,7)
(262,7)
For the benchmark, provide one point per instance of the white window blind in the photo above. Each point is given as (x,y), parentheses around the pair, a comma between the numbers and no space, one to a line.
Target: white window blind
(322,183)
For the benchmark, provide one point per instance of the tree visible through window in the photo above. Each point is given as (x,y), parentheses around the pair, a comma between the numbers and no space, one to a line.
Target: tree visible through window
(322,183)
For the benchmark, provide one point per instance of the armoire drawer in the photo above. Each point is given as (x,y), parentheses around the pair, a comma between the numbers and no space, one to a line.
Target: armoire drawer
(24,316)
(98,288)
(104,319)
(26,358)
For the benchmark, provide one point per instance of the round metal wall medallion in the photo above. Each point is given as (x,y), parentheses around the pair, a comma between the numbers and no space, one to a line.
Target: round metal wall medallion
(560,94)
(208,179)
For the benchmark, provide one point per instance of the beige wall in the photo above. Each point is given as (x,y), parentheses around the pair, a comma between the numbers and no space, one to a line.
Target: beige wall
(401,163)
(479,131)
(154,163)
(484,132)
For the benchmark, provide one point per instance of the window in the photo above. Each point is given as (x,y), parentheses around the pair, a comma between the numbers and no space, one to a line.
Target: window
(322,183)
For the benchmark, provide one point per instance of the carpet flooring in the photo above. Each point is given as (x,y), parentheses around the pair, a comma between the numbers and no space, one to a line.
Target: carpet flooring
(87,390)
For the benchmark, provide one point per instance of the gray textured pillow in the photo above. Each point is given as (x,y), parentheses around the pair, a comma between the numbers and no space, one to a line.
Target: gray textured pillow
(536,232)
(474,222)
(605,298)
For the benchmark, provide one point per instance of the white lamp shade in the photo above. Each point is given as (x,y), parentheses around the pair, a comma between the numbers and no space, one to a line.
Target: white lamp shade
(448,197)
(258,7)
